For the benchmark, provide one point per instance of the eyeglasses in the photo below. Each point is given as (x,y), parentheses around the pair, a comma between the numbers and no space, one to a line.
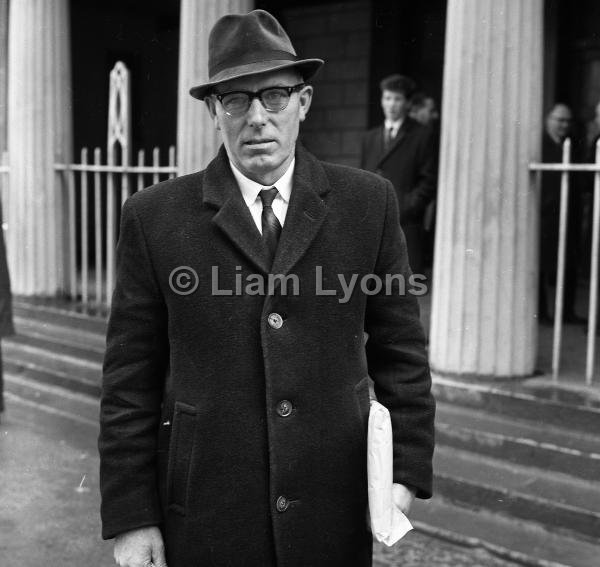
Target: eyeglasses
(273,99)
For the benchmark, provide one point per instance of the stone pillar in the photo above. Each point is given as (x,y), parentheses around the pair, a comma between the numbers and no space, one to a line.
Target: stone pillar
(484,289)
(39,134)
(3,74)
(197,139)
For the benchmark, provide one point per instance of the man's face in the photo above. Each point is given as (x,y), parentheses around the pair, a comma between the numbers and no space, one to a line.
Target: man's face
(559,122)
(427,112)
(260,143)
(395,105)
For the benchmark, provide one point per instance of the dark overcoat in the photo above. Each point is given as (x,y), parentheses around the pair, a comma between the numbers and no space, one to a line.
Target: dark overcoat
(549,229)
(409,163)
(6,310)
(244,438)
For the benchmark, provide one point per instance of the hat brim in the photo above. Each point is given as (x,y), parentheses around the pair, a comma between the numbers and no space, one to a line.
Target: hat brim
(307,67)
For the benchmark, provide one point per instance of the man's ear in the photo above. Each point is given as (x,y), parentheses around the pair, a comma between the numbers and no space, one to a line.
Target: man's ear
(212,110)
(305,98)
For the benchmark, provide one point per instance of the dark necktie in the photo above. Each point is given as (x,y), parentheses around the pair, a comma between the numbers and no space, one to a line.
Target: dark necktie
(387,138)
(271,228)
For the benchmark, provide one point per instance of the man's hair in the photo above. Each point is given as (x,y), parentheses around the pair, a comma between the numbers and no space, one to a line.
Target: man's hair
(557,105)
(398,84)
(418,99)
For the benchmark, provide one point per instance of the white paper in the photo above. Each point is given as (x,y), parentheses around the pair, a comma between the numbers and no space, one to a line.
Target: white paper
(388,523)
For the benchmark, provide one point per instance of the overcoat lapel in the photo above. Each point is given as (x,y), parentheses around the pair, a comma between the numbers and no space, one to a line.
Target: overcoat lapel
(305,214)
(406,125)
(376,145)
(233,217)
(303,220)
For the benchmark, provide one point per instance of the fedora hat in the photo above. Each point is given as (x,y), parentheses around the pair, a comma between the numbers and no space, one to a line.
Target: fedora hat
(241,45)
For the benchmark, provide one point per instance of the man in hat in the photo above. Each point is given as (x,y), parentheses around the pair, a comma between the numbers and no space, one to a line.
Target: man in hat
(402,150)
(234,414)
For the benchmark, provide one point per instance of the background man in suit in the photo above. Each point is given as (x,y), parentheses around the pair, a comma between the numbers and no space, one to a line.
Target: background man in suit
(401,150)
(233,423)
(558,126)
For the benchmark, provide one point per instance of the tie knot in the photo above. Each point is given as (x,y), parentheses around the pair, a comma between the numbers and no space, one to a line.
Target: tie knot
(267,196)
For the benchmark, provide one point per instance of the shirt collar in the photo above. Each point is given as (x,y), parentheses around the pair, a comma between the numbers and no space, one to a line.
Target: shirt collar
(394,125)
(250,189)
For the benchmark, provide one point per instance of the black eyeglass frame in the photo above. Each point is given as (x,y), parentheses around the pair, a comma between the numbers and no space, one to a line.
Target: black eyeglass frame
(258,94)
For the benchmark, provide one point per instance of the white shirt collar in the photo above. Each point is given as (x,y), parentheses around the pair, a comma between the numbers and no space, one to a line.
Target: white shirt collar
(394,125)
(250,189)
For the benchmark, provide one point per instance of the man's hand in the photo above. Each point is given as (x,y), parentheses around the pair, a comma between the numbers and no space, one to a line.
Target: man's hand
(143,547)
(403,497)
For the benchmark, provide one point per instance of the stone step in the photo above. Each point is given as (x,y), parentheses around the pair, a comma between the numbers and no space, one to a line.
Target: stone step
(58,333)
(81,383)
(519,441)
(60,401)
(60,313)
(565,410)
(558,501)
(52,357)
(526,543)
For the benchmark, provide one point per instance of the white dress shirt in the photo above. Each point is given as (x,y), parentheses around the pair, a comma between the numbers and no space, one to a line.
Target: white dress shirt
(395,126)
(250,192)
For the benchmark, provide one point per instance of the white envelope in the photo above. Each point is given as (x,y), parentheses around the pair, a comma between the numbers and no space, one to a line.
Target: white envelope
(388,523)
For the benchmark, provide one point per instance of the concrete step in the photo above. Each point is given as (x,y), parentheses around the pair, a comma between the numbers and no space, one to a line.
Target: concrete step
(517,401)
(519,441)
(60,401)
(558,501)
(70,335)
(527,543)
(64,360)
(82,383)
(59,313)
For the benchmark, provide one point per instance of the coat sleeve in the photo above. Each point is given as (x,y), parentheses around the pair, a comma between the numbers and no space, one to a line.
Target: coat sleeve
(397,358)
(132,385)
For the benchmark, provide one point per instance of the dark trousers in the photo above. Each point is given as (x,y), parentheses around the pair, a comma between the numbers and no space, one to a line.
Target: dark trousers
(548,275)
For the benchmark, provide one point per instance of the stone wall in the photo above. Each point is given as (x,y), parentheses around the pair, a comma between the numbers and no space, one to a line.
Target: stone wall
(340,34)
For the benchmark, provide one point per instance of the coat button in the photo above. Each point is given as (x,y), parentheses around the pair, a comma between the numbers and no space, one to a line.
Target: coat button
(282,504)
(275,320)
(284,408)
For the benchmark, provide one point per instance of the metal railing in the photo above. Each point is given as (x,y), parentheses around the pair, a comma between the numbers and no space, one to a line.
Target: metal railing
(564,168)
(95,193)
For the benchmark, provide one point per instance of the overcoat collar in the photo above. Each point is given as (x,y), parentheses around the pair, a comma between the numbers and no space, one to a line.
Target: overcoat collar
(305,215)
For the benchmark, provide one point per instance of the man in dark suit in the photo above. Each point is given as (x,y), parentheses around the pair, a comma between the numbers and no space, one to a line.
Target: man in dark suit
(558,125)
(402,151)
(235,403)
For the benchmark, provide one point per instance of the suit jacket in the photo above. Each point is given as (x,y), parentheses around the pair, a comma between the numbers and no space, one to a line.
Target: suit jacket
(244,438)
(409,164)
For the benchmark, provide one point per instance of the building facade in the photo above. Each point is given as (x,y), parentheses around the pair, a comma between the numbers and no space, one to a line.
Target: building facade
(494,64)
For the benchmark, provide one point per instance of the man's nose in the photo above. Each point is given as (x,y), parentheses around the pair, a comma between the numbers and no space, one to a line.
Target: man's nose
(257,114)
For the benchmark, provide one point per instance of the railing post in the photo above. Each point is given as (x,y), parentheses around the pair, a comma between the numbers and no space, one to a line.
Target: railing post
(560,267)
(593,309)
(119,132)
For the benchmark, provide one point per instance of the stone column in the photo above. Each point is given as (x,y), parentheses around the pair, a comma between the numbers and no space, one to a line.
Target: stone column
(197,139)
(39,134)
(3,74)
(484,289)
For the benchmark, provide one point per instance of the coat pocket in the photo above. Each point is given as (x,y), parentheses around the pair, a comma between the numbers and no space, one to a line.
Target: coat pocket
(180,456)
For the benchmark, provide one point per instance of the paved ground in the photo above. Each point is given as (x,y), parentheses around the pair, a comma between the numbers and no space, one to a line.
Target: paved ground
(49,501)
